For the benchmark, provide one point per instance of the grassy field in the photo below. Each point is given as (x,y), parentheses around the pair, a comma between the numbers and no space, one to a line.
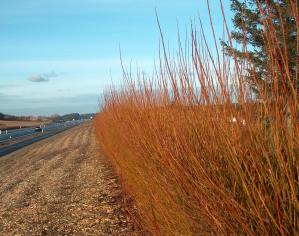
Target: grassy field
(7,124)
(196,163)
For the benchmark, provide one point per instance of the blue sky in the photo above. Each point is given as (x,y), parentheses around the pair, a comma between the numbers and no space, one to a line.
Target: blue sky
(58,56)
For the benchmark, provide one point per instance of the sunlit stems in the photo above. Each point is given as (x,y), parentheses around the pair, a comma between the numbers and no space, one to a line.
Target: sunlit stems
(197,151)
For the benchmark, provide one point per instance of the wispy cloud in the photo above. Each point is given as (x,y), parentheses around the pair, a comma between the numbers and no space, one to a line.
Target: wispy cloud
(43,77)
(52,74)
(21,105)
(5,86)
(38,79)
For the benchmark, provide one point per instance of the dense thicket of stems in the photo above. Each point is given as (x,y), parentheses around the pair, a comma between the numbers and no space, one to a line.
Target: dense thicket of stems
(197,152)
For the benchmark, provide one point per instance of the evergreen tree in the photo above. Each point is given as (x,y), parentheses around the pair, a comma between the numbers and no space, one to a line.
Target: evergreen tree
(250,30)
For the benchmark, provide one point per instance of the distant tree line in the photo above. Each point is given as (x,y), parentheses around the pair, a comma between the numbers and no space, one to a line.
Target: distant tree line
(16,118)
(54,118)
(72,116)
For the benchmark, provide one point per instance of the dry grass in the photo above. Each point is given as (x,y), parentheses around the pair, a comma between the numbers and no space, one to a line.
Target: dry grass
(195,162)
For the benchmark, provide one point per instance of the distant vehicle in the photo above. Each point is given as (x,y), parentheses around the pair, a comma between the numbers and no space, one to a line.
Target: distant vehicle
(38,129)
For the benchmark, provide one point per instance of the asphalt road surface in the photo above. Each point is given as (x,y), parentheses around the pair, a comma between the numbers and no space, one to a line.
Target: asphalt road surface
(16,139)
(62,186)
(16,133)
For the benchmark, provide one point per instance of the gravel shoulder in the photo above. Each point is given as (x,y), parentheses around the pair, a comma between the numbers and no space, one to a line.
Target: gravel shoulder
(62,186)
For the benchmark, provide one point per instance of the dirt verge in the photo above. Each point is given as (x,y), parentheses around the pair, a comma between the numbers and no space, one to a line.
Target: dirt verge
(62,186)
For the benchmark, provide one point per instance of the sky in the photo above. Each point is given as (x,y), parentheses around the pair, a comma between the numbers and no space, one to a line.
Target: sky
(59,56)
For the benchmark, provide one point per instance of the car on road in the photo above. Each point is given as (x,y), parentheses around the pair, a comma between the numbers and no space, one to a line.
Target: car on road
(38,129)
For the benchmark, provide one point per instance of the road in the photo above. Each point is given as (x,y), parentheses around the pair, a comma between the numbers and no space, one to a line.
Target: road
(16,139)
(17,133)
(62,186)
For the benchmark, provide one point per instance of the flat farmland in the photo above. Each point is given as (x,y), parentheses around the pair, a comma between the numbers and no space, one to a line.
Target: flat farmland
(62,186)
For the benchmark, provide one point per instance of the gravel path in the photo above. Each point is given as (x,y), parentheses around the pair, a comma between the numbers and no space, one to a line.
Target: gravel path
(61,186)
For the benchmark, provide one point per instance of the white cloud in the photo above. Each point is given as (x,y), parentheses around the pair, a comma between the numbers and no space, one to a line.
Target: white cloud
(38,79)
(44,77)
